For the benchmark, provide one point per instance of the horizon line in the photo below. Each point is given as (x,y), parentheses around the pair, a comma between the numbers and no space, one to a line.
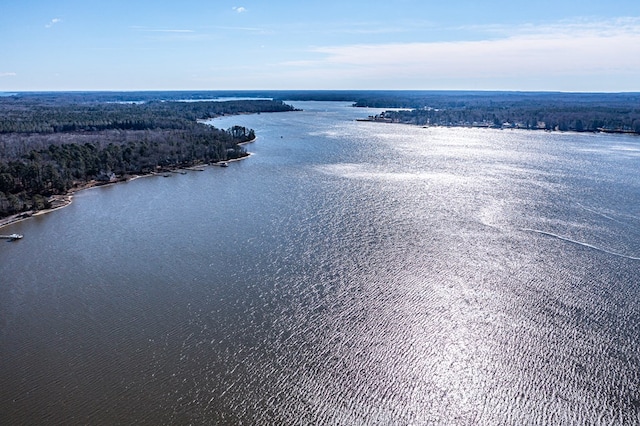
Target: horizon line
(316,90)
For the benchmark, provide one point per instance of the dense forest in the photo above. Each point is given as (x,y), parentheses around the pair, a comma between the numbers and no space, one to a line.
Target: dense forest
(580,112)
(51,143)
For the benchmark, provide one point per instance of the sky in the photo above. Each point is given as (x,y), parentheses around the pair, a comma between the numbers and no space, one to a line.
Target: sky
(542,45)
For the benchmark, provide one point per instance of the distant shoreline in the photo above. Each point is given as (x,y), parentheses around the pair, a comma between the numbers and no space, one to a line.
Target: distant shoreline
(377,119)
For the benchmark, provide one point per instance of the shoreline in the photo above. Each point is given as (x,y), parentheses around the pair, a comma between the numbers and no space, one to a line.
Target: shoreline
(491,127)
(61,201)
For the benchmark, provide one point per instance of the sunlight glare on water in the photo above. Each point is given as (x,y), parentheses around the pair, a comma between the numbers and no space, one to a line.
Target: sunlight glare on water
(346,273)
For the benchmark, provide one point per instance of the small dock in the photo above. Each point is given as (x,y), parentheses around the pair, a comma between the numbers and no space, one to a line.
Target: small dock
(11,237)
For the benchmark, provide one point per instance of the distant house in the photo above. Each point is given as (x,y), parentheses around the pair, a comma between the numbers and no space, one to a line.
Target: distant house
(106,177)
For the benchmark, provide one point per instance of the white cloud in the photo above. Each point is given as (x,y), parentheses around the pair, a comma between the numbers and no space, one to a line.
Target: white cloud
(253,29)
(7,74)
(564,49)
(167,31)
(53,22)
(240,9)
(163,35)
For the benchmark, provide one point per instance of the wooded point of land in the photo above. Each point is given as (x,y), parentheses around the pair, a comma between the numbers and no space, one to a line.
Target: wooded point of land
(51,143)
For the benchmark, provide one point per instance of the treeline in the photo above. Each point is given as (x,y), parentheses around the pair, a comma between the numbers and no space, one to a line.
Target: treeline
(550,118)
(55,146)
(32,114)
(581,112)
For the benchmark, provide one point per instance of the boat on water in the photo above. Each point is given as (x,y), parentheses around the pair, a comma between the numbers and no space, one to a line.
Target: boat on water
(12,237)
(223,164)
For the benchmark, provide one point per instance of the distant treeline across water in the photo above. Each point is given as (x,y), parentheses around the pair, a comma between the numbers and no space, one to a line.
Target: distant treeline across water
(580,112)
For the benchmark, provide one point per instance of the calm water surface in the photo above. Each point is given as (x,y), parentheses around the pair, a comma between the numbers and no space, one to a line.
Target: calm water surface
(348,273)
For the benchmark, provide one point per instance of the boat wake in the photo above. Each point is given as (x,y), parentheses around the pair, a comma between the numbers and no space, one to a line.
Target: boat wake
(560,237)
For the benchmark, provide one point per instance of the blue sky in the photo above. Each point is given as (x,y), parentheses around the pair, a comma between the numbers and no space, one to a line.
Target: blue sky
(393,44)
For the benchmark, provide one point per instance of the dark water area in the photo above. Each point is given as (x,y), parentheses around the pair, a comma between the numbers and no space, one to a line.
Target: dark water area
(347,273)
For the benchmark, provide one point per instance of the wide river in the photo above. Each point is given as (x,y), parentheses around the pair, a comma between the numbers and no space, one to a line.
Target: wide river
(347,273)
